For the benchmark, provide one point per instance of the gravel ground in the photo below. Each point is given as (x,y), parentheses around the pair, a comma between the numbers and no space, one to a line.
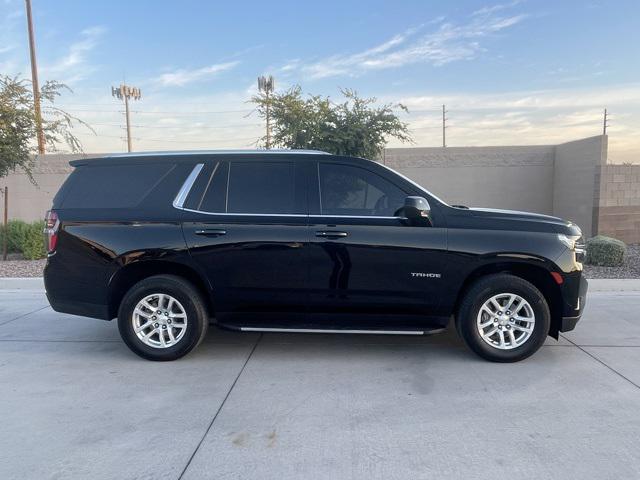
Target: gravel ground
(631,269)
(21,268)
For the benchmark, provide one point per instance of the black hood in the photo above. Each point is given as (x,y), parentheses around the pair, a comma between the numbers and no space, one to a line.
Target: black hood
(496,219)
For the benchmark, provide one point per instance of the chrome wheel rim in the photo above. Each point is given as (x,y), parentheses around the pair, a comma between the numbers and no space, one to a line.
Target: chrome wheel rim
(159,320)
(506,321)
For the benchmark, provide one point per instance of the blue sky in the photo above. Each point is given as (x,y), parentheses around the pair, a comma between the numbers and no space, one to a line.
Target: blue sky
(513,72)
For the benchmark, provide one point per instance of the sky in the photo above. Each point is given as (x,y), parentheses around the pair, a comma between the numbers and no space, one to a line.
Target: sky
(520,72)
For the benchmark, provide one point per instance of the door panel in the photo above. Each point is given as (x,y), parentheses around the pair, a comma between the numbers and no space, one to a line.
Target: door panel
(364,259)
(257,264)
(377,266)
(252,246)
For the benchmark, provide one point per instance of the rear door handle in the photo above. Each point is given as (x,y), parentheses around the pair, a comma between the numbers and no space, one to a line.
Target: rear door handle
(211,232)
(331,234)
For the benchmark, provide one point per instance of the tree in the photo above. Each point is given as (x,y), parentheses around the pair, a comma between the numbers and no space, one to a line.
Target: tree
(18,124)
(355,127)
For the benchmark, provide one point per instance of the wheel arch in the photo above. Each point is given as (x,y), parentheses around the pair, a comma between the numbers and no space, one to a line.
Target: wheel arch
(130,274)
(537,275)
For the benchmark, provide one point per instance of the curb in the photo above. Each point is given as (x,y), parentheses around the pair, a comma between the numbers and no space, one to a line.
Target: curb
(614,285)
(13,283)
(595,285)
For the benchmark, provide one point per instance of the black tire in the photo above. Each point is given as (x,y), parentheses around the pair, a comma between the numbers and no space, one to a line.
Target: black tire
(189,298)
(481,291)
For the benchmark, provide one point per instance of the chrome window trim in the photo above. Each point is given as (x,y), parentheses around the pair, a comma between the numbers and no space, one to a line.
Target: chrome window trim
(301,215)
(360,216)
(178,202)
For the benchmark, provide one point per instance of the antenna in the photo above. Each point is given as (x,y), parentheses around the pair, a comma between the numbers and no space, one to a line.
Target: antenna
(126,92)
(266,85)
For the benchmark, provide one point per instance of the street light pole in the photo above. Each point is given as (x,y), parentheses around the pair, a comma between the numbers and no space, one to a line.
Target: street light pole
(34,81)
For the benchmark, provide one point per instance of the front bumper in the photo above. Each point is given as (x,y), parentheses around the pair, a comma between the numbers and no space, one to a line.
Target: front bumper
(574,297)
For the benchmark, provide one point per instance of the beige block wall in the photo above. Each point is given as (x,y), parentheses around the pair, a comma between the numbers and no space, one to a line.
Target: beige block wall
(617,210)
(517,178)
(574,180)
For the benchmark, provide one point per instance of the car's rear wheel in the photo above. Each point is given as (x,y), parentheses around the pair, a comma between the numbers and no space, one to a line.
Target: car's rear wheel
(503,318)
(162,318)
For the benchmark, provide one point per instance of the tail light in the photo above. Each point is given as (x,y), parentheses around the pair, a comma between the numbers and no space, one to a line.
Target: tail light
(52,224)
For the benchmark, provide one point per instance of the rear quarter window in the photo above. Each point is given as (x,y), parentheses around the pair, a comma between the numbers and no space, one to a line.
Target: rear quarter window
(112,186)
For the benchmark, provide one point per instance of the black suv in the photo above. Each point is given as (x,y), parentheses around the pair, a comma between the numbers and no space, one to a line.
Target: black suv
(300,241)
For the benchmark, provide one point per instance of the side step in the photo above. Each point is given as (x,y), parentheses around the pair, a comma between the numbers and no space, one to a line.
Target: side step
(362,332)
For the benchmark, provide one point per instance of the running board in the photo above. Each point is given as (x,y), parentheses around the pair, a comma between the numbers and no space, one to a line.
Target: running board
(318,330)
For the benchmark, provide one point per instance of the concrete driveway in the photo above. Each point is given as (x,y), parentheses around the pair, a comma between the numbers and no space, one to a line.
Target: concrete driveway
(76,404)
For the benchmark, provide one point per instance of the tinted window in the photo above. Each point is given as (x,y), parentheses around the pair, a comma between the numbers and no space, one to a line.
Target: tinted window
(348,190)
(209,192)
(261,187)
(113,186)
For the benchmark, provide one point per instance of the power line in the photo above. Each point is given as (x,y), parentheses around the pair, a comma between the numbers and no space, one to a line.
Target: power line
(159,112)
(173,141)
(207,127)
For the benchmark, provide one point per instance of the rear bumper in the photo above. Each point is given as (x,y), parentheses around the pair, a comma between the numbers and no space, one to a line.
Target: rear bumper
(574,295)
(83,309)
(68,295)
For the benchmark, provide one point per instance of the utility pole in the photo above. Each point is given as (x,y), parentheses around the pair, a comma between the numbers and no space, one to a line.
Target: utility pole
(266,85)
(34,80)
(444,127)
(125,92)
(605,123)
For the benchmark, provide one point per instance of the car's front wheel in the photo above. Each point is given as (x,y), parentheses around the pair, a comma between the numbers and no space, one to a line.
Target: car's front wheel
(162,318)
(503,318)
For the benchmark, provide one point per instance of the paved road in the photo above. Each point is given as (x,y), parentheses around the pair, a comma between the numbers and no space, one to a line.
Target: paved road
(76,404)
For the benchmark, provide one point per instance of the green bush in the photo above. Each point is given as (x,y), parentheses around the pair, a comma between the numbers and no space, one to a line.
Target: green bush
(605,251)
(25,238)
(18,232)
(33,244)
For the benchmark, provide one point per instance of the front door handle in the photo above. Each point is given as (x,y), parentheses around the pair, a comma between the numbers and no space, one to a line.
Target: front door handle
(331,234)
(211,232)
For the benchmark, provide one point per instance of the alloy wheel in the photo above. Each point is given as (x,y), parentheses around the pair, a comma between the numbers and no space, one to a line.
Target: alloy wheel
(159,320)
(505,321)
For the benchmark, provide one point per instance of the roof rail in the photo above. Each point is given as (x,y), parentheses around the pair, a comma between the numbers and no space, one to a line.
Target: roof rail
(218,152)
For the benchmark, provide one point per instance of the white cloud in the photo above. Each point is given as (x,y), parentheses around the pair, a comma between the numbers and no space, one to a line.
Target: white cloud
(448,43)
(571,98)
(529,118)
(182,76)
(74,65)
(490,9)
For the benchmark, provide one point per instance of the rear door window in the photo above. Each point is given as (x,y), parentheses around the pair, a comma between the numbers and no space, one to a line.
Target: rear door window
(209,192)
(262,188)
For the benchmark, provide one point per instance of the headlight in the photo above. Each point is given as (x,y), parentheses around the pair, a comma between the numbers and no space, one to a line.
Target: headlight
(570,242)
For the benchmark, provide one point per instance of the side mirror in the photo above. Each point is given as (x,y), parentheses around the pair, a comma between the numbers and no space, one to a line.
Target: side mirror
(416,208)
